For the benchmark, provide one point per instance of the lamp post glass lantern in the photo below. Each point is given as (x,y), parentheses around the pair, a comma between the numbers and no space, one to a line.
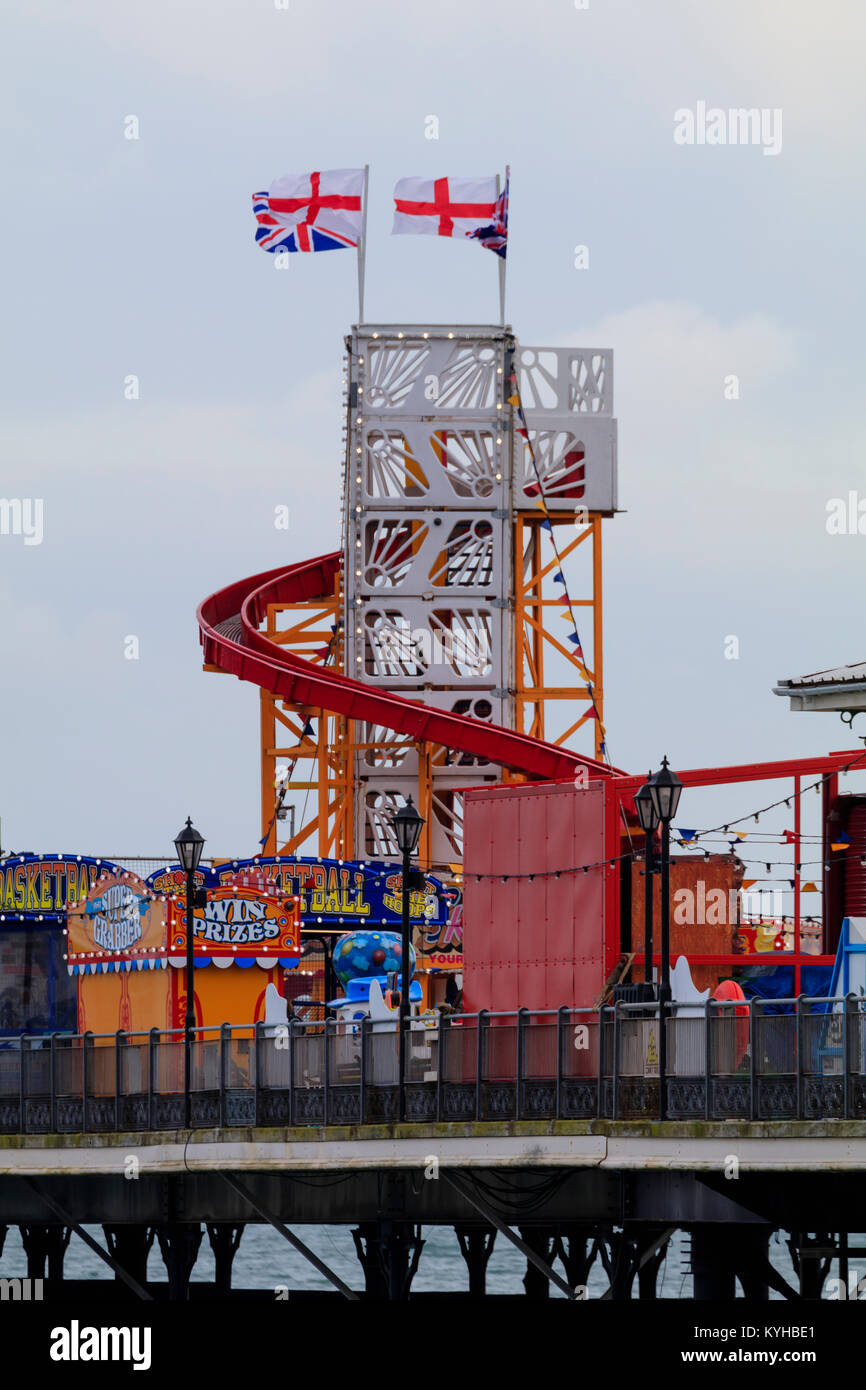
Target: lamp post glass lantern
(665,789)
(189,845)
(646,814)
(407,828)
(408,824)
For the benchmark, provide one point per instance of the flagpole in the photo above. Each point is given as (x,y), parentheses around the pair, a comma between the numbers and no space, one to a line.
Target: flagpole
(502,259)
(362,248)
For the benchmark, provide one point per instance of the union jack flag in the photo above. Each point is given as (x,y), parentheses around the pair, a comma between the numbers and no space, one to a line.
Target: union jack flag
(310,212)
(495,236)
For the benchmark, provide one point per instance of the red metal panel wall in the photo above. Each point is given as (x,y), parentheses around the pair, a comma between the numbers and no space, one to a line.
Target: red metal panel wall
(855,869)
(533,943)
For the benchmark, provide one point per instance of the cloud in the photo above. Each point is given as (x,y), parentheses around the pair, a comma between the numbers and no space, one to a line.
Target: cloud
(671,358)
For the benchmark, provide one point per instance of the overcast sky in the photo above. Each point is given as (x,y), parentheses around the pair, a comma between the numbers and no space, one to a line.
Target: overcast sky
(137,257)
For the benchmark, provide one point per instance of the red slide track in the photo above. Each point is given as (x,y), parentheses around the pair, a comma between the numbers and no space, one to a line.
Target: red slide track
(229,623)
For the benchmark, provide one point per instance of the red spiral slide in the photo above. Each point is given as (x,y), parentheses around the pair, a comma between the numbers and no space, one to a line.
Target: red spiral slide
(229,623)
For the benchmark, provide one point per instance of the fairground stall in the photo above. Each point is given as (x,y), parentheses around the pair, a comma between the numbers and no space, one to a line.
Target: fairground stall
(37,993)
(121,965)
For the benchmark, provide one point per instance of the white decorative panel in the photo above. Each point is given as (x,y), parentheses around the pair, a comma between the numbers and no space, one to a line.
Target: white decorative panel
(417,554)
(423,462)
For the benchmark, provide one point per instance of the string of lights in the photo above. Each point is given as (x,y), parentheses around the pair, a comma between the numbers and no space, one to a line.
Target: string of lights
(783,800)
(696,835)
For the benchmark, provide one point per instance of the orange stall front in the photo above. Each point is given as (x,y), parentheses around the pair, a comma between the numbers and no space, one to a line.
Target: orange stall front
(126,946)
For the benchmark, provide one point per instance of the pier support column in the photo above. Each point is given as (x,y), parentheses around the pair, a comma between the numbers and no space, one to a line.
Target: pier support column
(45,1245)
(179,1244)
(129,1247)
(224,1242)
(753,1263)
(476,1246)
(811,1267)
(577,1250)
(648,1274)
(713,1263)
(389,1252)
(619,1255)
(541,1240)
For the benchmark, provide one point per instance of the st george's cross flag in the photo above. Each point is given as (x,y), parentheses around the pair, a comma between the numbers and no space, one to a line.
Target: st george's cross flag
(321,211)
(443,207)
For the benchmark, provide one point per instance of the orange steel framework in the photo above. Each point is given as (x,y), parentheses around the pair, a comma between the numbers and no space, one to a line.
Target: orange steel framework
(535,636)
(313,630)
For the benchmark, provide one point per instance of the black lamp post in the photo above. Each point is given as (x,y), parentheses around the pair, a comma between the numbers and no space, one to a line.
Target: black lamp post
(407,829)
(189,845)
(665,788)
(646,814)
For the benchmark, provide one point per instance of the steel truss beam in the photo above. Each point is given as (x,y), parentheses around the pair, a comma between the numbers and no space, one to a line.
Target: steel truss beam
(261,1210)
(79,1230)
(494,1219)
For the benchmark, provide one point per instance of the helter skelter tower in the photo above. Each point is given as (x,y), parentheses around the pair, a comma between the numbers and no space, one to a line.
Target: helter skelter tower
(477,475)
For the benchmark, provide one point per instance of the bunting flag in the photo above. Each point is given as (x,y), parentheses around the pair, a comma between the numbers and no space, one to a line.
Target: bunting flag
(747,882)
(809,888)
(443,207)
(789,838)
(321,211)
(687,837)
(839,844)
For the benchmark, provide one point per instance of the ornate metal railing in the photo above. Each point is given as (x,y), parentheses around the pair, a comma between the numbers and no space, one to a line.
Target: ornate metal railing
(779,1060)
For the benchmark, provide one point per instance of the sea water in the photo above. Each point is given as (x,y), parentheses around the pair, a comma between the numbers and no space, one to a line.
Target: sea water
(265,1260)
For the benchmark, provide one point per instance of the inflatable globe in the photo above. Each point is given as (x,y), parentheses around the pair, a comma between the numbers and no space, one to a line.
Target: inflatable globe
(363,954)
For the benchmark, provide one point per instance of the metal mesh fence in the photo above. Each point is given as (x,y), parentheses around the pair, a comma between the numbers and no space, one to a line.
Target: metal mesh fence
(764,1060)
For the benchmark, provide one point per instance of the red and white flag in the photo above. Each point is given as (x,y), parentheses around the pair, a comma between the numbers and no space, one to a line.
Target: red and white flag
(311,212)
(443,207)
